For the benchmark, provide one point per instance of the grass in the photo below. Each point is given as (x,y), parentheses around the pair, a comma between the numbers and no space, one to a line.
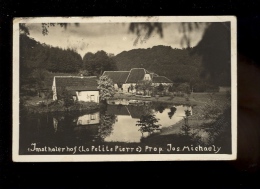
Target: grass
(31,103)
(165,99)
(195,120)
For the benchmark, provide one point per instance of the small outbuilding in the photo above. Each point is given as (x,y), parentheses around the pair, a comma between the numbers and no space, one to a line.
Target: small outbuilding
(79,87)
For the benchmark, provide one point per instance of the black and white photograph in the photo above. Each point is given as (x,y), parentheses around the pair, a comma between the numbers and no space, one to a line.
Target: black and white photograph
(160,88)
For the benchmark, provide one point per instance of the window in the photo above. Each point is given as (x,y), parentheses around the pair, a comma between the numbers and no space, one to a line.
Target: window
(92,98)
(92,116)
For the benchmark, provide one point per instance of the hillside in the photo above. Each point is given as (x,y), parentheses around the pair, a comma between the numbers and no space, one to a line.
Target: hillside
(176,64)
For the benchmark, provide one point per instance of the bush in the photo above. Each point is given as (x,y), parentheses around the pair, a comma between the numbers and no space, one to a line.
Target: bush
(41,104)
(211,110)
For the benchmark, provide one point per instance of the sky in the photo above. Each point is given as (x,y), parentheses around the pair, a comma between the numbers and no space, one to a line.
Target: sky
(110,37)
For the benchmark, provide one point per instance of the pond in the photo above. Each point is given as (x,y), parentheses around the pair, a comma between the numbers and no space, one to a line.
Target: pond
(112,124)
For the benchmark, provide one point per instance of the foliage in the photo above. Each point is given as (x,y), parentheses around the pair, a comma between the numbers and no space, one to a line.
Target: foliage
(106,87)
(131,87)
(160,88)
(83,73)
(170,89)
(184,87)
(215,50)
(144,85)
(66,98)
(39,76)
(172,112)
(106,125)
(36,55)
(159,106)
(220,130)
(144,30)
(148,123)
(211,110)
(99,62)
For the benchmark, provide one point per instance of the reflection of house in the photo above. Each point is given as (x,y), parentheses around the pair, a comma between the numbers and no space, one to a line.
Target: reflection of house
(80,88)
(134,111)
(89,119)
(127,79)
(117,110)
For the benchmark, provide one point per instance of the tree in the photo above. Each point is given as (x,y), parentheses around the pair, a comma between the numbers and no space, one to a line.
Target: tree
(106,125)
(131,87)
(170,89)
(39,76)
(83,72)
(66,97)
(215,47)
(145,85)
(185,129)
(106,87)
(160,88)
(148,123)
(184,87)
(99,62)
(172,112)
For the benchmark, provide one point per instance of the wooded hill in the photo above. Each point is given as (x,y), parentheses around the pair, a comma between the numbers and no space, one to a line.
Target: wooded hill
(36,55)
(176,64)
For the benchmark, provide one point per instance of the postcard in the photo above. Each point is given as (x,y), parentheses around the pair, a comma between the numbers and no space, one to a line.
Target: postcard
(157,88)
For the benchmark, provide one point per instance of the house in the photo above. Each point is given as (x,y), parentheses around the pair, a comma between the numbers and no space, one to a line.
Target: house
(89,119)
(118,78)
(134,112)
(127,80)
(79,87)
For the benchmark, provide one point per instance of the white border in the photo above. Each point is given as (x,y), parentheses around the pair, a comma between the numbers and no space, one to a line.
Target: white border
(123,157)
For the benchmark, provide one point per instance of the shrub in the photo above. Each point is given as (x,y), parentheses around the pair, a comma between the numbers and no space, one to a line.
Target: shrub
(41,104)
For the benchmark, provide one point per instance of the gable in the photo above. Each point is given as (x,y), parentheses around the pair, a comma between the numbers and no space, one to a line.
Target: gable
(135,75)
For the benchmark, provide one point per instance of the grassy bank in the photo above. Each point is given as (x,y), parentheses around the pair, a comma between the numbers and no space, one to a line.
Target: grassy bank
(165,99)
(197,120)
(38,105)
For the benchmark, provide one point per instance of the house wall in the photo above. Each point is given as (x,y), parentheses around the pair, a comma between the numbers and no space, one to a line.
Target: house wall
(89,119)
(54,89)
(165,85)
(127,85)
(88,96)
(147,77)
(116,86)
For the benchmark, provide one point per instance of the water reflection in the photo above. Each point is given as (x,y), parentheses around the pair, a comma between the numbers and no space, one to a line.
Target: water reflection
(89,119)
(113,123)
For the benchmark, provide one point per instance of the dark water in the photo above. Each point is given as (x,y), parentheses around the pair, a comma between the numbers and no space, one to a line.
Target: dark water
(113,125)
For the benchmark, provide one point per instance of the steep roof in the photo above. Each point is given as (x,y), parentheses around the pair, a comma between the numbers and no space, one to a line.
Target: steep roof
(117,76)
(161,79)
(76,83)
(136,111)
(117,110)
(135,75)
